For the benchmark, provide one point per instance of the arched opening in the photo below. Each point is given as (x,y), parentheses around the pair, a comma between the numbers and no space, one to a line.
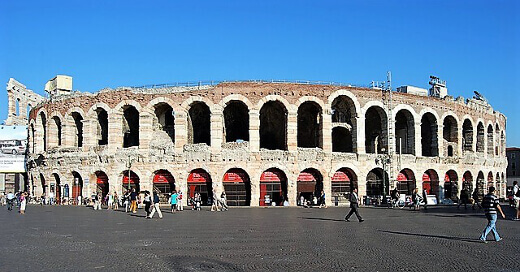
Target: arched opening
(273,126)
(273,187)
(429,141)
(56,131)
(77,187)
(480,137)
(430,180)
(102,185)
(237,187)
(490,182)
(497,140)
(199,181)
(163,185)
(481,186)
(43,184)
(130,181)
(450,151)
(490,143)
(43,121)
(32,140)
(310,125)
(236,122)
(467,182)
(102,126)
(449,133)
(375,186)
(451,185)
(405,182)
(467,136)
(343,182)
(344,124)
(57,189)
(341,140)
(309,184)
(375,130)
(199,125)
(130,126)
(404,132)
(17,107)
(498,186)
(502,144)
(78,129)
(164,122)
(28,111)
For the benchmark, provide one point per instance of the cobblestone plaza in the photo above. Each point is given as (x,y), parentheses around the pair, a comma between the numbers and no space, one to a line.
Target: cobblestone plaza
(73,238)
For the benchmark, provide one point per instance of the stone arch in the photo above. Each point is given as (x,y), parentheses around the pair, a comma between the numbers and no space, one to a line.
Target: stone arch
(375,185)
(376,138)
(310,125)
(480,137)
(130,125)
(77,187)
(467,135)
(430,180)
(236,97)
(344,123)
(199,181)
(163,184)
(237,185)
(405,131)
(490,181)
(343,182)
(467,181)
(429,135)
(450,135)
(56,130)
(102,183)
(497,139)
(236,121)
(309,184)
(348,95)
(199,123)
(490,141)
(163,123)
(273,187)
(451,185)
(75,119)
(273,125)
(186,104)
(406,182)
(275,98)
(130,179)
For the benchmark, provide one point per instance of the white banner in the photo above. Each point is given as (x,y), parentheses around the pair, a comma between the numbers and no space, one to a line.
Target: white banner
(13,146)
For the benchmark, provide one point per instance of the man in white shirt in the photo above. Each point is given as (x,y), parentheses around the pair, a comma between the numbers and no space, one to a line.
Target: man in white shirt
(10,201)
(516,198)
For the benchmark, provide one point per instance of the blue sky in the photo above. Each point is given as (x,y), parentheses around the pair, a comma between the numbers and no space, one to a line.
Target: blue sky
(473,45)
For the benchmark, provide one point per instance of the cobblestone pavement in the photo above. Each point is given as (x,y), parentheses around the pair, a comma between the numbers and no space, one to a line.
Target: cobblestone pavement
(254,239)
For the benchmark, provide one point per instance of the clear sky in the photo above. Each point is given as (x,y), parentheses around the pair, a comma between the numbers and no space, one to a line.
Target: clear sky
(473,45)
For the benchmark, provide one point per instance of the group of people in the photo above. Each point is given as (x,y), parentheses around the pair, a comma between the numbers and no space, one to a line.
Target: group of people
(312,201)
(219,203)
(11,200)
(415,201)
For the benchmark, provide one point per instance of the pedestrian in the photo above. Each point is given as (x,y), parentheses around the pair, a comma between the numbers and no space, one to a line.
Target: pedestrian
(110,201)
(147,203)
(23,202)
(133,201)
(198,201)
(173,201)
(180,205)
(214,203)
(156,207)
(10,201)
(51,198)
(322,200)
(223,201)
(425,197)
(491,204)
(476,202)
(116,201)
(354,206)
(416,199)
(464,198)
(516,200)
(97,201)
(126,200)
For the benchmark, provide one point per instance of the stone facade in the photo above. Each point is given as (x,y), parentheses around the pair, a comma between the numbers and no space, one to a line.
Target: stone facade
(296,131)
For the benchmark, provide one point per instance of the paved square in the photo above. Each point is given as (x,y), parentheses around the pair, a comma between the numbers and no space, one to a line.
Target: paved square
(67,238)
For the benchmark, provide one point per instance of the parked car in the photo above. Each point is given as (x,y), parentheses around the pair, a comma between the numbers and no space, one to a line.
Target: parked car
(13,149)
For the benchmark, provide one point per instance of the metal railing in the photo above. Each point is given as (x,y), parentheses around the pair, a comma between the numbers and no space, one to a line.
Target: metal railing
(216,82)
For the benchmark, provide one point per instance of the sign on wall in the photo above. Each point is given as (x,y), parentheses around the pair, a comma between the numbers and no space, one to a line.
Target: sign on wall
(13,146)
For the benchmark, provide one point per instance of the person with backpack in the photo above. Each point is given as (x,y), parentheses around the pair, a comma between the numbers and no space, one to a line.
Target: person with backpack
(516,199)
(491,204)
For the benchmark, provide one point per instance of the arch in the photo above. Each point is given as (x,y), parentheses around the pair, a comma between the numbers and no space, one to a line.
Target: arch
(343,181)
(102,184)
(405,132)
(130,180)
(164,121)
(310,125)
(498,186)
(163,184)
(55,130)
(490,182)
(78,128)
(480,138)
(309,184)
(236,121)
(77,188)
(273,187)
(57,188)
(199,123)
(405,181)
(44,184)
(342,140)
(376,139)
(344,118)
(199,181)
(237,186)
(430,180)
(451,185)
(101,126)
(17,106)
(236,97)
(467,136)
(273,126)
(497,140)
(429,135)
(43,122)
(450,134)
(131,126)
(490,143)
(502,143)
(467,181)
(347,94)
(274,98)
(375,186)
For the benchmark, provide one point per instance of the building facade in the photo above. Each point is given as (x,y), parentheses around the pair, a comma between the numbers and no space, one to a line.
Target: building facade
(264,142)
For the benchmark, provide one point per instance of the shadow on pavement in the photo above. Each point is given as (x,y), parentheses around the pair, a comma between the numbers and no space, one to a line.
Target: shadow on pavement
(434,236)
(323,219)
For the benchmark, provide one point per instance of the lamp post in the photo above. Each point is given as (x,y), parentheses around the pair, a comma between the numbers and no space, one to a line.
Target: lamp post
(384,160)
(129,165)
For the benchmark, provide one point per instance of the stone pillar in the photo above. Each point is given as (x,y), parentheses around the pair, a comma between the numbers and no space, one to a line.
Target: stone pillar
(115,131)
(181,132)
(89,133)
(326,132)
(216,127)
(292,130)
(254,178)
(360,134)
(440,140)
(254,131)
(418,144)
(145,130)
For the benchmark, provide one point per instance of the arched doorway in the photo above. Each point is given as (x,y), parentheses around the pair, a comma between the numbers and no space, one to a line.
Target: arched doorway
(43,184)
(498,186)
(490,182)
(451,185)
(273,126)
(200,181)
(130,181)
(375,187)
(163,185)
(273,186)
(430,180)
(102,184)
(343,182)
(405,182)
(480,186)
(77,187)
(467,181)
(57,188)
(309,184)
(237,187)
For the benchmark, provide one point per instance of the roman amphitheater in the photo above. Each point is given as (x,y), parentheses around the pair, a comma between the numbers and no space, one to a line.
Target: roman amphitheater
(263,142)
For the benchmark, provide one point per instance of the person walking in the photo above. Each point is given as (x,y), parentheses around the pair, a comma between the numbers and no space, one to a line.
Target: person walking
(147,203)
(516,200)
(214,203)
(23,202)
(156,207)
(198,201)
(223,201)
(416,199)
(476,202)
(133,201)
(173,201)
(180,205)
(110,201)
(425,198)
(10,201)
(464,198)
(354,206)
(116,201)
(491,204)
(97,202)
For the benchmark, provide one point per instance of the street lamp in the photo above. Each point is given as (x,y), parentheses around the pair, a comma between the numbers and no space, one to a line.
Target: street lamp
(384,160)
(129,165)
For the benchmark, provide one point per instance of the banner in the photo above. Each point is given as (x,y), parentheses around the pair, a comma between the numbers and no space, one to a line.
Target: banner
(13,146)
